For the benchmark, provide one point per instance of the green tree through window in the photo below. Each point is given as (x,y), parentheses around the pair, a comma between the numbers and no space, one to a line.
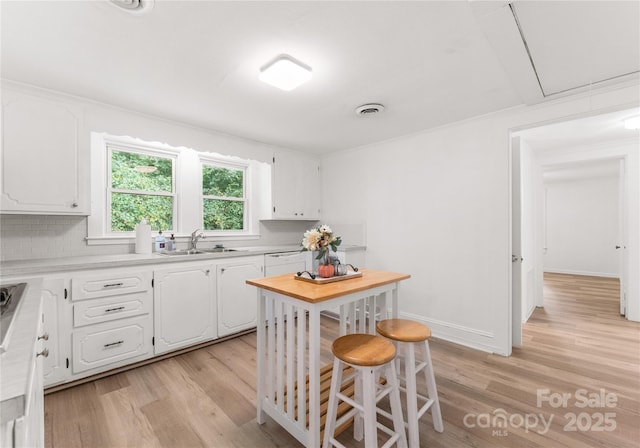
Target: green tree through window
(223,198)
(142,186)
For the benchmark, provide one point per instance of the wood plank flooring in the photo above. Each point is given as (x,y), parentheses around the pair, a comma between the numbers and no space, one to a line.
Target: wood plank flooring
(577,344)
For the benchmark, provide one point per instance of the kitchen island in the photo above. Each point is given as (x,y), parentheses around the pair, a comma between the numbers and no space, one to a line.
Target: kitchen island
(289,349)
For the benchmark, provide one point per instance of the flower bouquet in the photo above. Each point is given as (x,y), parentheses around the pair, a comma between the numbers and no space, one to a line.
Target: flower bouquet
(322,240)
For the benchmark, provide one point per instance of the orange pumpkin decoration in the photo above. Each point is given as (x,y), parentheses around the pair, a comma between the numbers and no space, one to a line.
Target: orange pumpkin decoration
(325,270)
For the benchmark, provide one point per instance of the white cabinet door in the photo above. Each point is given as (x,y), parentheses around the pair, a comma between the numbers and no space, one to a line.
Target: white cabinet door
(111,344)
(296,186)
(56,329)
(184,306)
(44,169)
(237,307)
(309,189)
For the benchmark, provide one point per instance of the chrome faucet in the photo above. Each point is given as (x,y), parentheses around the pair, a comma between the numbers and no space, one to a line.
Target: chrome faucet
(195,236)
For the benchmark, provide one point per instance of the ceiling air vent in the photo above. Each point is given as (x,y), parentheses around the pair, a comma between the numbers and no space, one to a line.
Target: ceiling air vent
(369,109)
(134,6)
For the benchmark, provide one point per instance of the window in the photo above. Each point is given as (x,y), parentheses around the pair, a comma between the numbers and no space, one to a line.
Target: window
(176,189)
(141,186)
(223,197)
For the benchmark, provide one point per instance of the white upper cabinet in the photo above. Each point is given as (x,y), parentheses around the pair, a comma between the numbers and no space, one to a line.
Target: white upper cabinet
(296,186)
(44,170)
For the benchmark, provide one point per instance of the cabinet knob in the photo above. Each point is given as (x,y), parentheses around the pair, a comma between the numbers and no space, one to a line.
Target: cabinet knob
(74,205)
(44,353)
(44,336)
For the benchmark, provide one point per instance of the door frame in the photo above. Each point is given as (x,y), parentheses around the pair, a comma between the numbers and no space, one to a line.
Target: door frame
(632,180)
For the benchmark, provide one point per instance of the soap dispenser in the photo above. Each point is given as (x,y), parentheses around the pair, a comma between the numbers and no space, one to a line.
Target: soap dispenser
(160,242)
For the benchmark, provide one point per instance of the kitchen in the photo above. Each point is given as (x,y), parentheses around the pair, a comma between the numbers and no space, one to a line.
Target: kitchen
(424,184)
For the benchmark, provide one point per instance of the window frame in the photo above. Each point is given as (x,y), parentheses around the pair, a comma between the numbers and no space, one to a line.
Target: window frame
(187,188)
(205,159)
(152,152)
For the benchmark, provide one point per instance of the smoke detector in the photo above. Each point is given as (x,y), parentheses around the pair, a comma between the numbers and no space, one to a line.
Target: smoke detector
(369,109)
(133,6)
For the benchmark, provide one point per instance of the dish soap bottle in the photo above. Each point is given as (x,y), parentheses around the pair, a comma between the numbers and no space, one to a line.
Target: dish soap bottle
(171,245)
(160,242)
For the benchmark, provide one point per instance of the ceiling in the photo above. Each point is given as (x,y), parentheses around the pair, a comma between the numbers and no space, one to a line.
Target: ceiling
(428,62)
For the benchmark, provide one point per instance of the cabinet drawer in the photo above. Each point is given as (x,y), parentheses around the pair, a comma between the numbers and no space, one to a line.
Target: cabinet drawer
(95,311)
(105,284)
(114,343)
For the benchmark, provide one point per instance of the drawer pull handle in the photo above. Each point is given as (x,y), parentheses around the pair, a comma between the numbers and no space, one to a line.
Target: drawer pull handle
(113,285)
(110,310)
(111,344)
(44,353)
(44,336)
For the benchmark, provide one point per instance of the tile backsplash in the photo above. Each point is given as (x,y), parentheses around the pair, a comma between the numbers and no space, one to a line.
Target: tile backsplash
(30,236)
(34,236)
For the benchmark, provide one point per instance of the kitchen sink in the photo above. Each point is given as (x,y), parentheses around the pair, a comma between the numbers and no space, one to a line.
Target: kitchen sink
(182,252)
(213,250)
(216,250)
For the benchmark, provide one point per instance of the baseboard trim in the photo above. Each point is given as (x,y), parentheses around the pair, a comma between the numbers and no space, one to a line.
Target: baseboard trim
(458,334)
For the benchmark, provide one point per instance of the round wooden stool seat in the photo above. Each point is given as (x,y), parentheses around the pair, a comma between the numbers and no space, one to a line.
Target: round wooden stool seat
(363,350)
(403,330)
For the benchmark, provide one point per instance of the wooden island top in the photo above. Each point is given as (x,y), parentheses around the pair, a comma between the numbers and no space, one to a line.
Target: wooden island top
(287,285)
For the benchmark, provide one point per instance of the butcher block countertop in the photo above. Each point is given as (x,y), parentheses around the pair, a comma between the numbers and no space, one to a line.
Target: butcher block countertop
(313,293)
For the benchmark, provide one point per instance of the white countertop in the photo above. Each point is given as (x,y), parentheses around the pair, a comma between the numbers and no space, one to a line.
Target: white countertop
(68,264)
(16,363)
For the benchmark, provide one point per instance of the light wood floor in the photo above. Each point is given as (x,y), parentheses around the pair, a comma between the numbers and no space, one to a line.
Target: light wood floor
(206,398)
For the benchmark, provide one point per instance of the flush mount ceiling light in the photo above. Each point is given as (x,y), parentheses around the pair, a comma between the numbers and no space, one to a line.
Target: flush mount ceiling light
(369,109)
(285,72)
(632,123)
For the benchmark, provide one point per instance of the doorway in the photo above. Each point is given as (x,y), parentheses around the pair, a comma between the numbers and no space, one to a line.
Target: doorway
(551,164)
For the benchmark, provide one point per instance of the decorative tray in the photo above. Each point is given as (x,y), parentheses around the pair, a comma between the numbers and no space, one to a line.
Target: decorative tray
(319,280)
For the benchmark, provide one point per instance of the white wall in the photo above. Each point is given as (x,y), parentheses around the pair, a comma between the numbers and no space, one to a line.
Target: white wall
(582,227)
(437,206)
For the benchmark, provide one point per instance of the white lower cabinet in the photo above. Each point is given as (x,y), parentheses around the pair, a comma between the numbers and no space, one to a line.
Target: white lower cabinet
(184,301)
(112,319)
(95,321)
(237,307)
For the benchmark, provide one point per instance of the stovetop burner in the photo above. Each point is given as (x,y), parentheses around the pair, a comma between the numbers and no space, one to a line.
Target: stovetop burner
(10,296)
(6,293)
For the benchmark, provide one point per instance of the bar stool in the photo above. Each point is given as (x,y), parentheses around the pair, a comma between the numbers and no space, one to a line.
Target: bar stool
(409,333)
(367,354)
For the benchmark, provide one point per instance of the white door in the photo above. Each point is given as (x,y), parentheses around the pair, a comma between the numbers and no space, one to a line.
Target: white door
(516,250)
(622,238)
